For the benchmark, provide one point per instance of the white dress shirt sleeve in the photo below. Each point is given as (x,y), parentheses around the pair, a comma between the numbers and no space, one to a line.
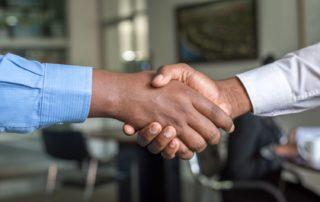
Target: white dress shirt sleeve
(308,139)
(289,85)
(306,134)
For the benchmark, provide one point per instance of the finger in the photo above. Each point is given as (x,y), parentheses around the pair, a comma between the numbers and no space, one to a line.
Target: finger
(147,134)
(214,113)
(183,151)
(167,73)
(162,140)
(128,130)
(171,149)
(192,139)
(204,127)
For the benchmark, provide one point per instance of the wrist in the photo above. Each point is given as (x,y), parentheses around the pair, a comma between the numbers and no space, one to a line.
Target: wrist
(105,94)
(234,95)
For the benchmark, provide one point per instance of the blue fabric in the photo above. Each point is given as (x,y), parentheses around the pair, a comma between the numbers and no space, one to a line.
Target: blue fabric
(35,95)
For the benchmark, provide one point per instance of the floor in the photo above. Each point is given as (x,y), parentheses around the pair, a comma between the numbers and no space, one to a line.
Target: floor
(23,171)
(102,194)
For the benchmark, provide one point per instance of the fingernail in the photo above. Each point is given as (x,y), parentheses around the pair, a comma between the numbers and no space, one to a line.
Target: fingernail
(159,77)
(168,134)
(154,129)
(172,144)
(232,129)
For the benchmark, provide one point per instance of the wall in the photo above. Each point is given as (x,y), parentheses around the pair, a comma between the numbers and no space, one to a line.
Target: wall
(277,30)
(84,32)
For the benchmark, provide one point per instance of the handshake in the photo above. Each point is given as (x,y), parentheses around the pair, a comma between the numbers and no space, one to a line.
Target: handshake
(177,110)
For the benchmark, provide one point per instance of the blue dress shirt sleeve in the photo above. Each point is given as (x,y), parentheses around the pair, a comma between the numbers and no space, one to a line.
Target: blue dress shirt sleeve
(35,95)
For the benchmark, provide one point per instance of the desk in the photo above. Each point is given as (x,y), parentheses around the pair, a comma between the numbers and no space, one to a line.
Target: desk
(158,180)
(309,177)
(298,162)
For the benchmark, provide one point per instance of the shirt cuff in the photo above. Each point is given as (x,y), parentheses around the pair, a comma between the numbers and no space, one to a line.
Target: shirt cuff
(268,90)
(66,94)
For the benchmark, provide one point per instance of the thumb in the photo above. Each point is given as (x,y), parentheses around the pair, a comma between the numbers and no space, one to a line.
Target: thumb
(167,73)
(128,130)
(161,79)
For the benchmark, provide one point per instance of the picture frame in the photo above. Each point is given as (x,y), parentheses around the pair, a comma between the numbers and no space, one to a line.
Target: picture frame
(217,31)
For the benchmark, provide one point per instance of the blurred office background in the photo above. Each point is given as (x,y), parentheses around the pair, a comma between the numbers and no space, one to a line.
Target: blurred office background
(94,161)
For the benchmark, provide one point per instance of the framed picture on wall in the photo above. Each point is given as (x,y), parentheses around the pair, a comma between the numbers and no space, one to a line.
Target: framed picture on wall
(223,30)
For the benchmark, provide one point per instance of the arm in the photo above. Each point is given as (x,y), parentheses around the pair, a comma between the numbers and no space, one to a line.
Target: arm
(36,95)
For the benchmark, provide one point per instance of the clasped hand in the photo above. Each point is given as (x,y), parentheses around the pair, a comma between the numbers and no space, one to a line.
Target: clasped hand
(202,105)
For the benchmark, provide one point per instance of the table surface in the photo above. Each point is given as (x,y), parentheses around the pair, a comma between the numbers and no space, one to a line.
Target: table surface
(299,162)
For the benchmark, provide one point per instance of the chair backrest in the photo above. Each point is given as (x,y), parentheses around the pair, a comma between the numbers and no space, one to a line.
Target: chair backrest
(67,145)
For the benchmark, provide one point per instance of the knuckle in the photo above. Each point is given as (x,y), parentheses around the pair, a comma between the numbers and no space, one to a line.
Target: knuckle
(178,123)
(184,65)
(214,110)
(185,107)
(145,136)
(164,69)
(183,151)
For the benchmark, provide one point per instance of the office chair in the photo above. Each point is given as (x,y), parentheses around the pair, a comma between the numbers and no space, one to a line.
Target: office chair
(243,185)
(70,145)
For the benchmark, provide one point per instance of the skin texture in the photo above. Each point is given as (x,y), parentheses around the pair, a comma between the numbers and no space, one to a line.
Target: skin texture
(228,94)
(185,113)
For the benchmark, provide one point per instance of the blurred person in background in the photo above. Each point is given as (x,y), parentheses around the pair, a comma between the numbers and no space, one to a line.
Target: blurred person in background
(303,144)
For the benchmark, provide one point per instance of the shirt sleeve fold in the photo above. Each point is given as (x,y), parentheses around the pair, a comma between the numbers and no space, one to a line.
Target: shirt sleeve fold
(66,94)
